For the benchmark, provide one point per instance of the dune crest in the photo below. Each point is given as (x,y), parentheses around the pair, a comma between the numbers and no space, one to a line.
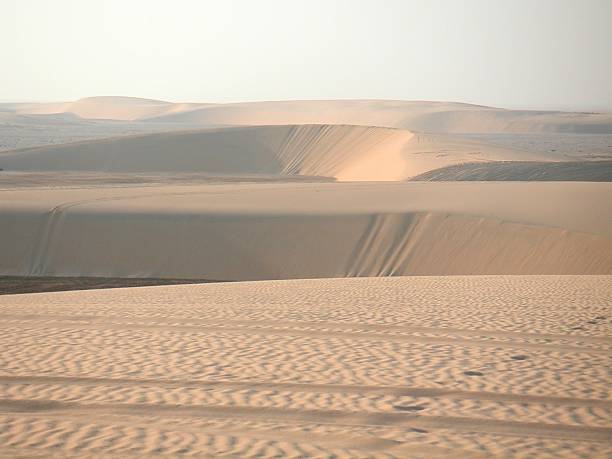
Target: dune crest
(428,116)
(102,107)
(307,230)
(347,153)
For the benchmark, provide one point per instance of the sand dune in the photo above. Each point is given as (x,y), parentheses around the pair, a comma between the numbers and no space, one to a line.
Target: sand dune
(305,230)
(442,117)
(576,147)
(27,131)
(580,171)
(116,108)
(449,117)
(391,367)
(348,153)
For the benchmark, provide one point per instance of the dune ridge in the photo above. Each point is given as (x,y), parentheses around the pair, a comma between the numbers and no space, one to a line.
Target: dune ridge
(449,117)
(101,107)
(307,230)
(347,153)
(577,171)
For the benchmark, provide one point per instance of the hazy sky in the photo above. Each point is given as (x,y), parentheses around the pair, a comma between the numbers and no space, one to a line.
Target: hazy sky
(511,53)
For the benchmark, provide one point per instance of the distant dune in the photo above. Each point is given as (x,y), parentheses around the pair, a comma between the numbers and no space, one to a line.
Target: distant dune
(348,153)
(115,108)
(577,171)
(448,117)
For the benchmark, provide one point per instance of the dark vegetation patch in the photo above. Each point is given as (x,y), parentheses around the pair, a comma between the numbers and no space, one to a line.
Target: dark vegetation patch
(15,284)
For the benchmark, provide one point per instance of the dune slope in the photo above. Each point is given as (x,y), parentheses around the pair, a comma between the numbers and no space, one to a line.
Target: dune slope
(391,368)
(578,171)
(305,230)
(344,152)
(440,117)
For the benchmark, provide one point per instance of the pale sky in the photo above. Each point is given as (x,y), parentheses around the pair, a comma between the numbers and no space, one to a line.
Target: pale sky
(546,54)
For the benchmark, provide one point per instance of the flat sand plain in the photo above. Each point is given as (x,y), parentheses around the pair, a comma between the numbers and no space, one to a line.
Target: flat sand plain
(467,366)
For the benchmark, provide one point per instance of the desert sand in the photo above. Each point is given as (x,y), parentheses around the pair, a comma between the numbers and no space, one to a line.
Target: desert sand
(529,171)
(390,367)
(372,313)
(253,231)
(564,133)
(346,153)
(416,115)
(357,140)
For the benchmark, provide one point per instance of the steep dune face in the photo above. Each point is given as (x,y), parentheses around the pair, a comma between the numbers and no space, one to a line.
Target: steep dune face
(346,153)
(441,117)
(281,231)
(331,151)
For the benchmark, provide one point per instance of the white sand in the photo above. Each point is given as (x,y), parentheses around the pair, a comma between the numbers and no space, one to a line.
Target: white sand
(301,230)
(351,368)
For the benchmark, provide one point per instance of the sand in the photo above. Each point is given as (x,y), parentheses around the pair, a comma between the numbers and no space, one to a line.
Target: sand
(570,146)
(253,231)
(390,367)
(26,131)
(575,171)
(449,117)
(349,140)
(498,344)
(346,153)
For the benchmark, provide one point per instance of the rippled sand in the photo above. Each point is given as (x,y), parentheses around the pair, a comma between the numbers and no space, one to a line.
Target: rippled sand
(391,367)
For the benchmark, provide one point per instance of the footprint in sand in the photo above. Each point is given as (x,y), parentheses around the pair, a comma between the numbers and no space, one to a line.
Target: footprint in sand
(519,357)
(409,407)
(473,373)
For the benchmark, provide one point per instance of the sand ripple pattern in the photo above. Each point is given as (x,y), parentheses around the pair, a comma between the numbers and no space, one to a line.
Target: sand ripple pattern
(476,366)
